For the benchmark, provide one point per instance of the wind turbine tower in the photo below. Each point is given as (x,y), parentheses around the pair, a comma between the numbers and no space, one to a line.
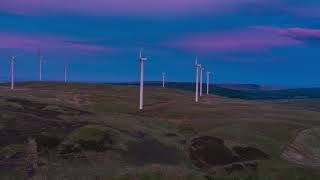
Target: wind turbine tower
(197,80)
(40,67)
(208,81)
(141,59)
(163,79)
(201,72)
(65,73)
(13,60)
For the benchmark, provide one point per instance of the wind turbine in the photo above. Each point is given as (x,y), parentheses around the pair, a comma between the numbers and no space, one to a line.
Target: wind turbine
(201,72)
(141,59)
(65,72)
(208,81)
(13,59)
(197,79)
(40,66)
(163,79)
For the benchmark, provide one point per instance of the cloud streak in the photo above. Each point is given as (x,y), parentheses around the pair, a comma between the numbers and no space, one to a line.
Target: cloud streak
(232,41)
(120,7)
(14,41)
(297,32)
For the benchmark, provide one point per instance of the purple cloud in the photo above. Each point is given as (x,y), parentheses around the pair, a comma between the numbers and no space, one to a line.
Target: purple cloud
(297,33)
(14,41)
(232,41)
(120,7)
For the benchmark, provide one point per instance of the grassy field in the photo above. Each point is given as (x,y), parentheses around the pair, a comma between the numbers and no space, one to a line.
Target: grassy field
(95,131)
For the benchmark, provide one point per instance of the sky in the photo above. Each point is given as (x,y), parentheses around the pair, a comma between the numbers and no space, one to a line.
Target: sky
(267,42)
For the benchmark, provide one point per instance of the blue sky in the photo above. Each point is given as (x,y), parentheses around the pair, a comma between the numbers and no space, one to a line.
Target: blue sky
(270,42)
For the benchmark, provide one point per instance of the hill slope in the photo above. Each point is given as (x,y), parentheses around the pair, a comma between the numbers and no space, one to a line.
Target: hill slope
(95,131)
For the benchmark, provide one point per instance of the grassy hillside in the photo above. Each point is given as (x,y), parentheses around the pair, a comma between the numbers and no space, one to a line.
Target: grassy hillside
(52,130)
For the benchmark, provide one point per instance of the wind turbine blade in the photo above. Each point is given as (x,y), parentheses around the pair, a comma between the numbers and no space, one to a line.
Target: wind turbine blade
(140,54)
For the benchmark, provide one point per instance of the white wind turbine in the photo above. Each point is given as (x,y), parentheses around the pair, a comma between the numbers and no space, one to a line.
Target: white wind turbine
(197,79)
(163,79)
(13,59)
(201,72)
(208,81)
(40,66)
(141,59)
(65,72)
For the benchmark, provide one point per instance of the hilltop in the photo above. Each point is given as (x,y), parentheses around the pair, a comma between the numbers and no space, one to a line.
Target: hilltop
(95,131)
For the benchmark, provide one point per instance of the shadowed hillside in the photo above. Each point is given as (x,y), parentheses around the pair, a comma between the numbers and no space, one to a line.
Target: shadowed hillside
(53,130)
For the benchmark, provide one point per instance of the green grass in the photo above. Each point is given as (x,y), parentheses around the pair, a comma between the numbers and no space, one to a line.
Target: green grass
(149,176)
(89,134)
(152,152)
(92,137)
(12,150)
(58,109)
(312,139)
(115,121)
(281,169)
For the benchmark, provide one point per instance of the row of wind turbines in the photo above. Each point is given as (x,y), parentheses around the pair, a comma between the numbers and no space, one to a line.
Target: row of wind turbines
(13,61)
(199,69)
(142,59)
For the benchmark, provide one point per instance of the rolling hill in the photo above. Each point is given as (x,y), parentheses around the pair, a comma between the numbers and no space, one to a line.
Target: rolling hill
(83,131)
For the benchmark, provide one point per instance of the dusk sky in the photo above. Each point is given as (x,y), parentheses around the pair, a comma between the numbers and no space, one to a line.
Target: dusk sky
(269,42)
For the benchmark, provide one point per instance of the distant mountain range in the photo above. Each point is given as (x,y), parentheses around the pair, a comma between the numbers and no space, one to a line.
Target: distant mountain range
(243,91)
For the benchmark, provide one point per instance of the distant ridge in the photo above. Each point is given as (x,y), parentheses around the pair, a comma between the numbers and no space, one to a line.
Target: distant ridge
(248,91)
(251,87)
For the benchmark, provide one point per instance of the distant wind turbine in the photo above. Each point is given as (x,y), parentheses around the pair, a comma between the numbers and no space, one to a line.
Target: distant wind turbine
(201,72)
(141,59)
(163,79)
(208,81)
(65,72)
(13,59)
(40,66)
(197,79)
(12,72)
